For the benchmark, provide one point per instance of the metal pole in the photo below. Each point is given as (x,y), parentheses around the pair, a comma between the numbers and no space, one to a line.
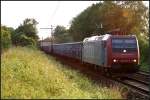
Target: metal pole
(51,28)
(51,38)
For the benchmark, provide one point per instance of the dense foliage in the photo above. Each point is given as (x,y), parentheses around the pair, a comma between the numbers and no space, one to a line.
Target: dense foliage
(6,37)
(24,35)
(130,17)
(61,35)
(144,54)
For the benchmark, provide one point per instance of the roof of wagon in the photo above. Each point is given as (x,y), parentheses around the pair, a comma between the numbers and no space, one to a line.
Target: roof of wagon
(97,38)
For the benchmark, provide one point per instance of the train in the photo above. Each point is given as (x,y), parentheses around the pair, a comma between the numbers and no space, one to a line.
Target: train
(116,53)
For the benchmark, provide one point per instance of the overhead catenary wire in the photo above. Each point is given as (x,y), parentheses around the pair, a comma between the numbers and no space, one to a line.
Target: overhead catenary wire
(55,10)
(51,18)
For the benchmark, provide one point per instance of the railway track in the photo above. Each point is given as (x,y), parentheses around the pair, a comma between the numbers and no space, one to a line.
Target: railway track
(138,77)
(144,73)
(137,82)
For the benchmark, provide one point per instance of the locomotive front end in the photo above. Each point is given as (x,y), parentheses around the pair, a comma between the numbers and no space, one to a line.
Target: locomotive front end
(125,52)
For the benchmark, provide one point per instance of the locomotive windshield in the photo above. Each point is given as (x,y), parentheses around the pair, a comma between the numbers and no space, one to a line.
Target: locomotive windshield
(120,44)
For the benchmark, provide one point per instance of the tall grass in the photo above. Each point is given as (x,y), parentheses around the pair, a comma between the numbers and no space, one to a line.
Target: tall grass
(28,73)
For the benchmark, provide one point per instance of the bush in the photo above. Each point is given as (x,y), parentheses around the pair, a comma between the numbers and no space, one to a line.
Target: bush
(22,40)
(26,40)
(144,54)
(26,33)
(5,37)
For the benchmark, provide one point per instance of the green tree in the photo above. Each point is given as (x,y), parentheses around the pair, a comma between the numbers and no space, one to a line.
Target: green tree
(6,37)
(61,35)
(84,24)
(26,32)
(137,14)
(131,17)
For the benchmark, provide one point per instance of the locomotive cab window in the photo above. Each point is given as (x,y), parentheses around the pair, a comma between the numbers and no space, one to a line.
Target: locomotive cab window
(119,44)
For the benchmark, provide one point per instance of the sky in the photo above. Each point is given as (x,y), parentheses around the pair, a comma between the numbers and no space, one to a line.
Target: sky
(46,13)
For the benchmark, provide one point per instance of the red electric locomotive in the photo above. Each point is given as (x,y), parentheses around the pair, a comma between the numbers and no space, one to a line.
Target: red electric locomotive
(111,52)
(123,50)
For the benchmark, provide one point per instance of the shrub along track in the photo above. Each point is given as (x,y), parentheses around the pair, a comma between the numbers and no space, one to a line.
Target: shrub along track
(135,85)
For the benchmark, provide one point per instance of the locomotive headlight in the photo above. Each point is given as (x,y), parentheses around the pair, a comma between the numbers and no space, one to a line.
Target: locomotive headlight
(134,60)
(114,60)
(124,51)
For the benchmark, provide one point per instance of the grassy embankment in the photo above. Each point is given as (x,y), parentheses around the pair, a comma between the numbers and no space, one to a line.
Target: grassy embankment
(27,73)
